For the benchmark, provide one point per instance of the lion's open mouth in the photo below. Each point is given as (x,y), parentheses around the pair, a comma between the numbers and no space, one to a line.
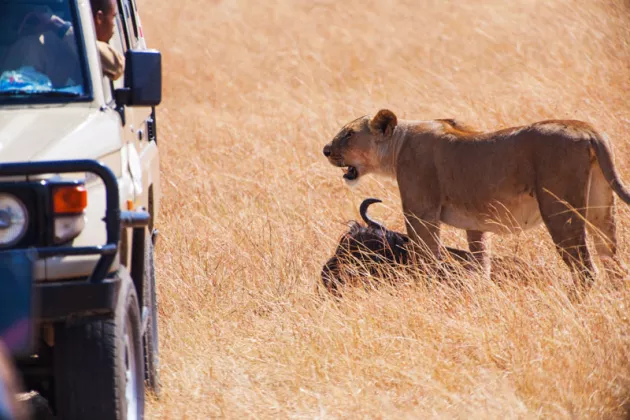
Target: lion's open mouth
(351,173)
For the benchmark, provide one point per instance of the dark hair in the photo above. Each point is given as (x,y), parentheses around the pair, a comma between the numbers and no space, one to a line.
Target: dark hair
(102,5)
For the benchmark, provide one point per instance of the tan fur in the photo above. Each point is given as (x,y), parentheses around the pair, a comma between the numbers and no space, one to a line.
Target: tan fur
(559,172)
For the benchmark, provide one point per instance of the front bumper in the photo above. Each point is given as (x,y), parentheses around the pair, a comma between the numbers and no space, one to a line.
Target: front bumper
(72,298)
(76,299)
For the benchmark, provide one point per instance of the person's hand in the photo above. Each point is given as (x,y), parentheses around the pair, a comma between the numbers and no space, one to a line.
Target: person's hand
(44,21)
(52,22)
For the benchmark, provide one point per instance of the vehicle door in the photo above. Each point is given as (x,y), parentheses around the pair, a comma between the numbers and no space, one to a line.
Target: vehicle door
(140,120)
(118,42)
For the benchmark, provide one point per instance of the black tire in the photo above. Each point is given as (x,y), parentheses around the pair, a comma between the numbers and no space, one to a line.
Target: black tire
(150,339)
(92,361)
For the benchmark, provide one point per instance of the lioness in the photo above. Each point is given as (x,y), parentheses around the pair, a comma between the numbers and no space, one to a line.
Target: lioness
(560,172)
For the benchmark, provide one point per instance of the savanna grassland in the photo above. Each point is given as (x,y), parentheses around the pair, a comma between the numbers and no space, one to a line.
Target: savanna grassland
(251,210)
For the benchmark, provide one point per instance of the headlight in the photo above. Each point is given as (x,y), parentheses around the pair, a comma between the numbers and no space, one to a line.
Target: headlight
(13,219)
(68,227)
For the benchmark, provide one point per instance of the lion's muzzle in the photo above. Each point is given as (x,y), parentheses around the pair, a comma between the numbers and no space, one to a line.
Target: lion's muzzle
(327,150)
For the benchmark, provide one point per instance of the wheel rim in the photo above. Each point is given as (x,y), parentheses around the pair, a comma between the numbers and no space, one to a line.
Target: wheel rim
(131,377)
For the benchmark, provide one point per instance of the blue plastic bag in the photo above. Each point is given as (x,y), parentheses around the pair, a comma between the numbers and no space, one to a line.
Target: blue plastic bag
(25,79)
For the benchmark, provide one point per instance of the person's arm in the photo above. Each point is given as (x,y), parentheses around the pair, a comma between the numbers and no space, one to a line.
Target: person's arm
(55,24)
(62,28)
(112,61)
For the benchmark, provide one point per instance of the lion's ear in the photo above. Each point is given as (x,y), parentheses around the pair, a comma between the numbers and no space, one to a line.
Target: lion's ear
(383,123)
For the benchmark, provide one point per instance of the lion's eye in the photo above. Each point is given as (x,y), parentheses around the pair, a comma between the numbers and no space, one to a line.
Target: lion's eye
(344,138)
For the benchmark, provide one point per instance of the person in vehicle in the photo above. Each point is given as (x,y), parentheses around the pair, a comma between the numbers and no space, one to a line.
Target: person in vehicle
(104,13)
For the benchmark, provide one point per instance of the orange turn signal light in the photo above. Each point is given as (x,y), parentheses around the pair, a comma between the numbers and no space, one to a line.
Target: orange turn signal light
(69,199)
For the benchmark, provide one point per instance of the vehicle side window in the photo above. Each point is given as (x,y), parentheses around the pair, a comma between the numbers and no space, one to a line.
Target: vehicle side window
(118,43)
(136,19)
(131,28)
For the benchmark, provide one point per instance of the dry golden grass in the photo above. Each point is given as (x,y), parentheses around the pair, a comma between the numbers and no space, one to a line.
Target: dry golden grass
(251,210)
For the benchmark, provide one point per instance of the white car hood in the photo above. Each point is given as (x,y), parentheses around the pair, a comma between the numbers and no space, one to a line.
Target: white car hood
(58,133)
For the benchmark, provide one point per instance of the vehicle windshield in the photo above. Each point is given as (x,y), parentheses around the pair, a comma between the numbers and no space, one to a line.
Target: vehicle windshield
(40,57)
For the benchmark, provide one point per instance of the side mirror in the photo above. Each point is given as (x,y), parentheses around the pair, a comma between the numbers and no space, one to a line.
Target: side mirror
(143,79)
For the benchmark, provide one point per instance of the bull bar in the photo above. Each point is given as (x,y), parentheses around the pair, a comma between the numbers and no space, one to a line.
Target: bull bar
(98,293)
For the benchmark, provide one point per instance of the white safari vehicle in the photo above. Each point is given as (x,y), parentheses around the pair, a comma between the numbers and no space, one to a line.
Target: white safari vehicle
(79,197)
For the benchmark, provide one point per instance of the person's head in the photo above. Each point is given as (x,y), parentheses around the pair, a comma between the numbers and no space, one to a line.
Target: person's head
(104,12)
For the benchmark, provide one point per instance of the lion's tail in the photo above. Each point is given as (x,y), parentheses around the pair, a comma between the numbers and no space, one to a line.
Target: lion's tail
(602,149)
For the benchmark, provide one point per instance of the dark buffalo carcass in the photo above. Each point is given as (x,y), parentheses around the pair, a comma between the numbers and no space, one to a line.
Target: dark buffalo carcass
(364,250)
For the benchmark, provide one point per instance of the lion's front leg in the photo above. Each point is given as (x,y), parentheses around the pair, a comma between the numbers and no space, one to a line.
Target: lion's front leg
(479,245)
(421,204)
(424,232)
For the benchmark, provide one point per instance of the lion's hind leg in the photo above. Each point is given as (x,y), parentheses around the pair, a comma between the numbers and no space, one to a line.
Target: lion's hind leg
(563,215)
(600,216)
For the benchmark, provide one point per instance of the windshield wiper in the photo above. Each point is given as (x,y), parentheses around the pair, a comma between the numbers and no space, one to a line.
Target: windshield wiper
(40,93)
